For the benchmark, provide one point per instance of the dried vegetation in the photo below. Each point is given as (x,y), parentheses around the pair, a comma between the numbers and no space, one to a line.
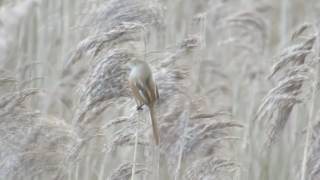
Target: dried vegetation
(238,99)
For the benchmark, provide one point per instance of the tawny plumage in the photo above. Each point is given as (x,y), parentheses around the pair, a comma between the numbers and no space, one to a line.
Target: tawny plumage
(144,90)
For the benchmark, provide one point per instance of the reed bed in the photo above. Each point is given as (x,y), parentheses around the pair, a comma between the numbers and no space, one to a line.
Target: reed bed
(238,84)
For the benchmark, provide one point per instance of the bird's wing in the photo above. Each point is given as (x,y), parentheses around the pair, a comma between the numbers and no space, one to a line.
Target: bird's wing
(143,91)
(152,90)
(136,92)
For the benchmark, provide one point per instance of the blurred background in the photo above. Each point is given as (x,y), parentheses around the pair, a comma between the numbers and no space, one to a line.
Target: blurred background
(238,83)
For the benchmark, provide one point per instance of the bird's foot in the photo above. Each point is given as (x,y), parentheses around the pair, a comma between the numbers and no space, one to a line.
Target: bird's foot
(139,108)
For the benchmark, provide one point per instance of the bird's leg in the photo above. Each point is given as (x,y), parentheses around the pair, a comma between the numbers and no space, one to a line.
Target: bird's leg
(139,107)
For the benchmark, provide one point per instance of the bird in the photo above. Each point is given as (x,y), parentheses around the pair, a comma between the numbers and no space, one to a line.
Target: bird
(144,90)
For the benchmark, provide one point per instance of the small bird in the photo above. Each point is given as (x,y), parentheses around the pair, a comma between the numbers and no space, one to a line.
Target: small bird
(144,90)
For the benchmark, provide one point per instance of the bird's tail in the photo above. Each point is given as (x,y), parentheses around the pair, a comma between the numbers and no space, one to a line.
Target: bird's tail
(154,125)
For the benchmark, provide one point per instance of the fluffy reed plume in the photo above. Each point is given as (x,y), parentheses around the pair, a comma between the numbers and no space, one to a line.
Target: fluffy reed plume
(101,43)
(245,20)
(72,116)
(277,105)
(191,136)
(116,12)
(108,81)
(211,167)
(96,48)
(116,24)
(33,144)
(123,172)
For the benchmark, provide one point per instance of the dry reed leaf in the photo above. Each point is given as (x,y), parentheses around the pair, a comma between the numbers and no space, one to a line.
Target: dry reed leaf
(300,30)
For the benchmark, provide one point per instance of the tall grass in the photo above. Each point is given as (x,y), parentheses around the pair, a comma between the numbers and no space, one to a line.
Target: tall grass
(238,84)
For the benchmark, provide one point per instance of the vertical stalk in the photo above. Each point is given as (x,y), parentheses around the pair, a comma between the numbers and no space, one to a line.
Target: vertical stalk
(285,6)
(134,155)
(202,51)
(101,173)
(177,175)
(134,161)
(156,161)
(183,142)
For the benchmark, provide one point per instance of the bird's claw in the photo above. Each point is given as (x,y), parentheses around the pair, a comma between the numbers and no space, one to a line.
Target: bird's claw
(139,108)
